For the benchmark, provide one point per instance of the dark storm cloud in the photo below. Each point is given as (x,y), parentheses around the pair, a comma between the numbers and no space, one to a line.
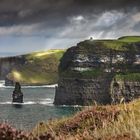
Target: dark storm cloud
(137,27)
(55,12)
(69,18)
(45,24)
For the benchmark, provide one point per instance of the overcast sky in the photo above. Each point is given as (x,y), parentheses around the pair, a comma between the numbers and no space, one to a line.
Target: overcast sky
(32,25)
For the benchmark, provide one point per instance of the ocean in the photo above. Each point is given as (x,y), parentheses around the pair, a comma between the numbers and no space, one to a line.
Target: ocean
(38,106)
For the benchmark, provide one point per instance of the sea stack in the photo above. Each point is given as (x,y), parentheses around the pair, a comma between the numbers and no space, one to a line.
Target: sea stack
(17,94)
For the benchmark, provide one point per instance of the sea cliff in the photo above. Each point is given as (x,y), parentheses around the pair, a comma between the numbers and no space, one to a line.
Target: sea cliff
(92,71)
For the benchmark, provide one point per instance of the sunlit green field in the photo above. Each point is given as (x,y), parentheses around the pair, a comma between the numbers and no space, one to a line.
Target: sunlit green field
(41,68)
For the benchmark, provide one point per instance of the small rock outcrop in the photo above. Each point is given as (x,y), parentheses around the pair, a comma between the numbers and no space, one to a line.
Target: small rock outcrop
(17,94)
(92,71)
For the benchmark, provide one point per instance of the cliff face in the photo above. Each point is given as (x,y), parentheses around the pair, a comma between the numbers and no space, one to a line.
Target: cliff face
(124,91)
(73,91)
(87,72)
(9,63)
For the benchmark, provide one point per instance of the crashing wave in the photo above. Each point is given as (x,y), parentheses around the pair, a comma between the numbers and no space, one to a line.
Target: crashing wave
(2,85)
(47,101)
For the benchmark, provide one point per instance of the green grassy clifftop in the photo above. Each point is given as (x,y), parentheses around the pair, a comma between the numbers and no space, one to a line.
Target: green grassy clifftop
(104,71)
(121,55)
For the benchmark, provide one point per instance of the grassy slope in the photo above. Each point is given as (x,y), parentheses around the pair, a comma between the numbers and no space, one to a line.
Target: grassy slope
(130,39)
(115,122)
(41,68)
(119,44)
(128,77)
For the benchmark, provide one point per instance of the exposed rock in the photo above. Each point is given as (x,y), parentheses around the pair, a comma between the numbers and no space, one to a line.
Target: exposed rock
(72,91)
(17,94)
(124,91)
(86,73)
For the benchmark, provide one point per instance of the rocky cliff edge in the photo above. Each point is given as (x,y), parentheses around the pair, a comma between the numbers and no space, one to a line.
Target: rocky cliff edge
(101,71)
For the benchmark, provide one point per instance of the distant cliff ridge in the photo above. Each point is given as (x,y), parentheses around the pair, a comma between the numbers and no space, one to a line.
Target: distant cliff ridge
(37,68)
(104,71)
(9,63)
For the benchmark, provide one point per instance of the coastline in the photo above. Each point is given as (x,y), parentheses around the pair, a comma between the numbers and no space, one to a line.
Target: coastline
(2,85)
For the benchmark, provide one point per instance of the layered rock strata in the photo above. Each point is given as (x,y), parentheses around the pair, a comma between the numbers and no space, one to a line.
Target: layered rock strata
(88,71)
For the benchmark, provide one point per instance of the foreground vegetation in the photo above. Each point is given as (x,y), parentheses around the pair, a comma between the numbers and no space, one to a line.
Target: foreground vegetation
(114,122)
(128,77)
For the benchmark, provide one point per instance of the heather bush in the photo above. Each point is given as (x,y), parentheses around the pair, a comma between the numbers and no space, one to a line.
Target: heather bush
(9,133)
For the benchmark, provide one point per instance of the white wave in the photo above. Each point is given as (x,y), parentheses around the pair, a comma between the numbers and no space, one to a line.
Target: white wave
(2,83)
(47,86)
(28,103)
(3,103)
(43,86)
(45,102)
(47,99)
(71,106)
(7,87)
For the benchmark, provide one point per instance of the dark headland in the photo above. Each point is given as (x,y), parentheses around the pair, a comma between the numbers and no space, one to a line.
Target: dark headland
(102,71)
